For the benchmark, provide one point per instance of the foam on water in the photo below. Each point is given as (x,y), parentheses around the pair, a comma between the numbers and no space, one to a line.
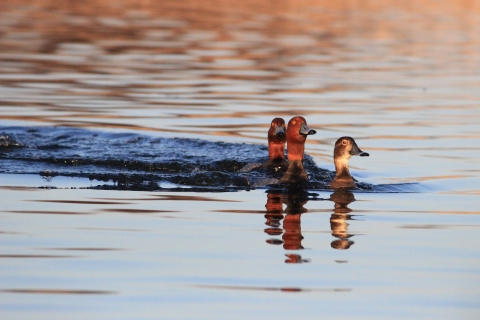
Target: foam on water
(140,162)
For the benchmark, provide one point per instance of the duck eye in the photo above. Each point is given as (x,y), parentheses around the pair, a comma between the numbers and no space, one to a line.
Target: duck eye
(344,142)
(293,122)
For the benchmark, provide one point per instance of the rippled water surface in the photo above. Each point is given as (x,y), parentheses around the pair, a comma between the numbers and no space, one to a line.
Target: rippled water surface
(123,127)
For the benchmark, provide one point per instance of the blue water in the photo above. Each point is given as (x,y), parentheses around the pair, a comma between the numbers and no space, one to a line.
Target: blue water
(124,126)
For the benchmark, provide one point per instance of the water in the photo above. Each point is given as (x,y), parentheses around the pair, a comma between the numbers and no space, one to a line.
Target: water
(127,124)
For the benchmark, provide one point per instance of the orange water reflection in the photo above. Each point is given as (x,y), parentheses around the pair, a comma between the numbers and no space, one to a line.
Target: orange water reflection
(290,218)
(91,64)
(287,222)
(287,226)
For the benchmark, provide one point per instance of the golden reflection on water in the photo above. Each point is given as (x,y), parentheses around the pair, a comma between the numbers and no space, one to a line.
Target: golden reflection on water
(56,291)
(78,64)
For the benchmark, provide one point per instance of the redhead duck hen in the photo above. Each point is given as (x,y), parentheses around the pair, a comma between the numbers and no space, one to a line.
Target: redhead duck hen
(345,148)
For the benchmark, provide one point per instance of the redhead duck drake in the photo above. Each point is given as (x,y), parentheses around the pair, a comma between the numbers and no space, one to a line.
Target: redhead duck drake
(345,148)
(276,145)
(297,132)
(276,148)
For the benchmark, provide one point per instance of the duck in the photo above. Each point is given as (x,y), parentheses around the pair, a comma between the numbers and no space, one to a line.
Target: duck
(297,132)
(345,148)
(277,138)
(276,148)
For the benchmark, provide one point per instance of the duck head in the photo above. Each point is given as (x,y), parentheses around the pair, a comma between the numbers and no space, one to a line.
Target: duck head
(277,132)
(345,148)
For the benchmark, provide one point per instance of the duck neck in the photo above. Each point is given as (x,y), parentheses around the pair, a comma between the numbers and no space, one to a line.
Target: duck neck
(341,170)
(295,151)
(276,150)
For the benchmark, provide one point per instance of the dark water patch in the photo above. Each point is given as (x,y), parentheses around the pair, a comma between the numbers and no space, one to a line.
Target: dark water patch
(191,198)
(113,229)
(18,188)
(49,212)
(400,188)
(8,142)
(34,256)
(211,178)
(9,232)
(282,289)
(83,249)
(131,161)
(241,211)
(275,242)
(142,185)
(167,197)
(173,217)
(81,202)
(56,291)
(137,211)
(425,226)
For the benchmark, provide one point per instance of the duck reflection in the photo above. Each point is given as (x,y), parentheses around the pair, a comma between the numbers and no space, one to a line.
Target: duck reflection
(291,223)
(291,232)
(274,216)
(338,220)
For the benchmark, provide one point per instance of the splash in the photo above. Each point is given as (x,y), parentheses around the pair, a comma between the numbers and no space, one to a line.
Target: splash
(133,161)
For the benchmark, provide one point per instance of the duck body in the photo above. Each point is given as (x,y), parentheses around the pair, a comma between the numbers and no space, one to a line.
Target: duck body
(345,148)
(295,172)
(276,165)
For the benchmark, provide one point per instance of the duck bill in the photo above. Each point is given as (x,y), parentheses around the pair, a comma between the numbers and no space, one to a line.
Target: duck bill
(280,132)
(357,152)
(306,131)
